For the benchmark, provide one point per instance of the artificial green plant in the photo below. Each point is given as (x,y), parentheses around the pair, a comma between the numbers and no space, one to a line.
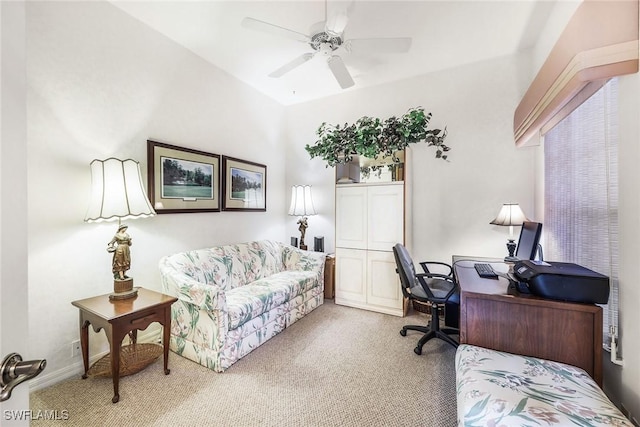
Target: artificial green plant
(374,138)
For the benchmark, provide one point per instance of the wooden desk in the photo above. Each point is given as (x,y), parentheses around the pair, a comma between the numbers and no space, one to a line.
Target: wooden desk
(119,318)
(495,317)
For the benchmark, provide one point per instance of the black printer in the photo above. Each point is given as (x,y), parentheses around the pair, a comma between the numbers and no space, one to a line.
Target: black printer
(562,281)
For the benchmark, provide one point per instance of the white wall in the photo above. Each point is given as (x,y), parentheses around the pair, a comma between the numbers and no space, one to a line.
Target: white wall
(101,83)
(453,202)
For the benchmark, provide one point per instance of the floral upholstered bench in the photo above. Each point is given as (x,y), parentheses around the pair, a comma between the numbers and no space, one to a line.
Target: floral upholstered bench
(502,389)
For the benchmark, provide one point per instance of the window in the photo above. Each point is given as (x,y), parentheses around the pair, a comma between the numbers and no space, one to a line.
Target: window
(581,191)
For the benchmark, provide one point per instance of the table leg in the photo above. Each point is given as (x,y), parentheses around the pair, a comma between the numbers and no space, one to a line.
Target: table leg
(166,336)
(116,344)
(84,345)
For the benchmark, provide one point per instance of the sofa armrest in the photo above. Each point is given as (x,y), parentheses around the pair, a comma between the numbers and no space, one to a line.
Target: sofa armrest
(297,259)
(205,297)
(189,290)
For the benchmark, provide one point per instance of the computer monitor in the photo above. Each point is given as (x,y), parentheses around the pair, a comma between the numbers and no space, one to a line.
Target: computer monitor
(529,240)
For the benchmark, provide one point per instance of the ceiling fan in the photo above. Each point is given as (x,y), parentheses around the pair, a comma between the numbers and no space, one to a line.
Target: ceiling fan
(326,39)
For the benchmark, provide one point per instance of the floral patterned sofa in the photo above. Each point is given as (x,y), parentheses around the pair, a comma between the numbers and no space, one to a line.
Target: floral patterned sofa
(233,298)
(502,389)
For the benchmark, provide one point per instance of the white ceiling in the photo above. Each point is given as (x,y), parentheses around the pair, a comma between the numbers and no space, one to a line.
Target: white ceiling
(445,34)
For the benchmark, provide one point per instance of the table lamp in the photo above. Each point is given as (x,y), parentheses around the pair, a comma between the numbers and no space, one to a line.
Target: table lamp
(117,193)
(510,215)
(301,205)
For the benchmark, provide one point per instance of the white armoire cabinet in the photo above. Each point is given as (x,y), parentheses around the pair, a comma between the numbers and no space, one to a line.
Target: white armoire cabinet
(370,220)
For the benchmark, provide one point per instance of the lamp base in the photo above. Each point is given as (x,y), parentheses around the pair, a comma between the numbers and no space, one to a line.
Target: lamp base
(123,289)
(303,246)
(511,247)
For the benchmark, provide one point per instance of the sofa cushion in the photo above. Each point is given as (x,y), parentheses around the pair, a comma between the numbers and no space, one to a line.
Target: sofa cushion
(230,266)
(301,281)
(253,261)
(246,302)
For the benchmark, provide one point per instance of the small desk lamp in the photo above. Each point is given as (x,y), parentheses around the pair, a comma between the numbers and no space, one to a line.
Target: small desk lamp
(510,215)
(302,205)
(117,193)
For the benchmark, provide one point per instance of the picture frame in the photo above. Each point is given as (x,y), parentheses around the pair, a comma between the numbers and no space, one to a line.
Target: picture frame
(244,185)
(182,180)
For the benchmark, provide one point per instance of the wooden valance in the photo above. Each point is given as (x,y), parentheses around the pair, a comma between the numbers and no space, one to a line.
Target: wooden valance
(599,42)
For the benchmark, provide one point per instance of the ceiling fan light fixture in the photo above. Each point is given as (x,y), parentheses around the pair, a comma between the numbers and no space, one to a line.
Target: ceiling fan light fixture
(323,38)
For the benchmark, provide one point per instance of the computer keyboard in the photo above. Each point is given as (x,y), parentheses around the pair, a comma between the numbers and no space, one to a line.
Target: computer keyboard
(485,270)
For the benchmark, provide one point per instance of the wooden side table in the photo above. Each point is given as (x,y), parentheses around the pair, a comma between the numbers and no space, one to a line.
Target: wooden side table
(119,318)
(329,276)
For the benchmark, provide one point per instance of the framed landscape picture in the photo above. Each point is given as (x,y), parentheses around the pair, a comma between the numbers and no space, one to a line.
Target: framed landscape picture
(182,180)
(244,185)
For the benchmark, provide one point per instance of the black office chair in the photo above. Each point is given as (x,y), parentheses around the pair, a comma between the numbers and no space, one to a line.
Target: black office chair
(427,287)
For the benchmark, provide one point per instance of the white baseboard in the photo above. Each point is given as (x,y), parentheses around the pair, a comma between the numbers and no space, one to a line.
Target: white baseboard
(47,379)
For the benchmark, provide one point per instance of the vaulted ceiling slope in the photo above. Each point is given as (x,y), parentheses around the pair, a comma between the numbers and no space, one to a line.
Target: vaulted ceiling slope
(443,34)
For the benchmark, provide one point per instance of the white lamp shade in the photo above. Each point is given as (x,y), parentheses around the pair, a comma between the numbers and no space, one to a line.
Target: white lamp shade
(301,201)
(510,214)
(117,191)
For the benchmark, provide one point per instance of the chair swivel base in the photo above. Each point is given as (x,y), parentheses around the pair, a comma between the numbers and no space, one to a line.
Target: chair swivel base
(429,332)
(442,333)
(418,328)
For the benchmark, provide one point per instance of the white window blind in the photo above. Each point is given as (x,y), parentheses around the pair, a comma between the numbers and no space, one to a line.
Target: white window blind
(581,192)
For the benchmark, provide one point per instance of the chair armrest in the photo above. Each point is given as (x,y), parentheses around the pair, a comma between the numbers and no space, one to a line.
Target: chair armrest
(421,279)
(425,265)
(436,276)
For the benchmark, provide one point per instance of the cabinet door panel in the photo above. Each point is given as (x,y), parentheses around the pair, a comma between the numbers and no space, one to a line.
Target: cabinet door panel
(383,284)
(351,217)
(385,215)
(351,276)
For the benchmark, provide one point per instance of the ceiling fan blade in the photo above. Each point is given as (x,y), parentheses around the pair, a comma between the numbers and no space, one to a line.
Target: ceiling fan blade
(336,16)
(256,24)
(340,72)
(336,23)
(381,45)
(291,65)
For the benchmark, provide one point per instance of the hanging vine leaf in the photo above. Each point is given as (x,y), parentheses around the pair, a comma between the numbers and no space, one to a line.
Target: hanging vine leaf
(371,137)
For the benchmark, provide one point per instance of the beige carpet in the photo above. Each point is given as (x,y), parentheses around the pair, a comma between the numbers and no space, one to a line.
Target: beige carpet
(338,366)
